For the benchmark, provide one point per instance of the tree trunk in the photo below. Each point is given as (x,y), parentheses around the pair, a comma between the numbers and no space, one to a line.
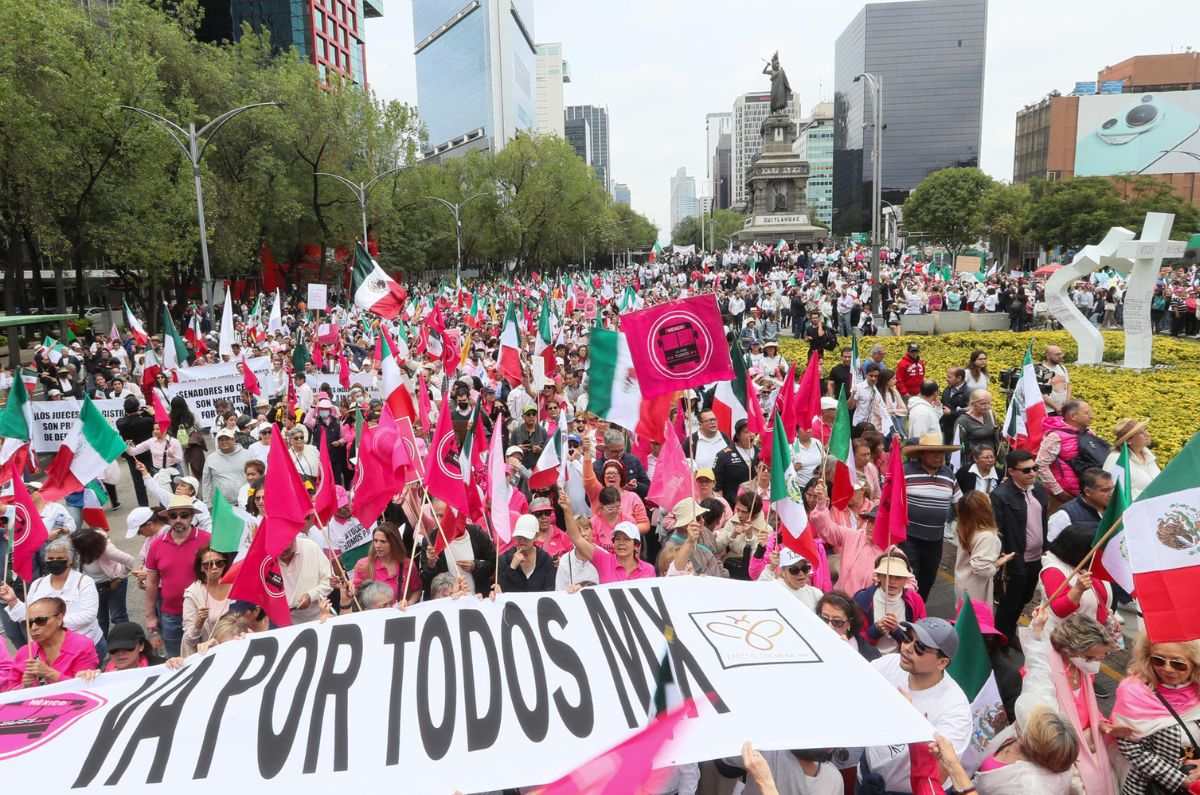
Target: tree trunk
(77,263)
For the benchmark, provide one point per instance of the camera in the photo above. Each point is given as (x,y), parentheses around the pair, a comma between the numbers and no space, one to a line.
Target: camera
(1009,378)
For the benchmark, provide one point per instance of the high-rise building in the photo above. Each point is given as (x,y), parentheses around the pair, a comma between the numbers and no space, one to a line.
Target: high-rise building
(815,144)
(578,133)
(552,72)
(749,110)
(716,125)
(1126,121)
(683,197)
(723,168)
(329,34)
(475,72)
(621,193)
(932,111)
(597,119)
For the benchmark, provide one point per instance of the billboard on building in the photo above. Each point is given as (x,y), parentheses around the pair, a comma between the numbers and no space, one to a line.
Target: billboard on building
(1141,133)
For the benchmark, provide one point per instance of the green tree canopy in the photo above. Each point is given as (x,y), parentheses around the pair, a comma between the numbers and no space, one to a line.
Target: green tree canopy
(947,207)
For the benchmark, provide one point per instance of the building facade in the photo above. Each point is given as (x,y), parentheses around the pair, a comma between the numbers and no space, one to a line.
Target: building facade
(815,145)
(724,171)
(930,55)
(597,122)
(749,110)
(552,72)
(330,34)
(621,194)
(476,66)
(578,133)
(717,127)
(1142,99)
(683,197)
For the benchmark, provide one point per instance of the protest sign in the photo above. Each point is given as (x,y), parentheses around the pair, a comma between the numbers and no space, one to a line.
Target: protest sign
(336,390)
(316,296)
(461,694)
(53,420)
(202,386)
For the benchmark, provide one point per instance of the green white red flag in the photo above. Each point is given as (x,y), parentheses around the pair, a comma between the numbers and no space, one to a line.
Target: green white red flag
(510,348)
(613,392)
(16,420)
(89,448)
(135,326)
(971,668)
(737,398)
(1111,562)
(175,350)
(374,290)
(796,534)
(841,451)
(1026,411)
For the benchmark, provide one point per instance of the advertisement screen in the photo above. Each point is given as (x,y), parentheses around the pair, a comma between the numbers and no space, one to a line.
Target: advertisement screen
(1143,133)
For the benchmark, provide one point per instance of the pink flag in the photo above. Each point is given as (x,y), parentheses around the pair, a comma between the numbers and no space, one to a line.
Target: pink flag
(786,405)
(285,500)
(423,407)
(443,473)
(161,418)
(371,492)
(414,465)
(891,519)
(325,498)
(318,358)
(499,490)
(249,380)
(678,345)
(259,581)
(672,480)
(808,396)
(29,531)
(343,370)
(625,768)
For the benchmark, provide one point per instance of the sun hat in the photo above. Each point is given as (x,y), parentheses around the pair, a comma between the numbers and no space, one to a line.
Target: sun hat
(893,566)
(179,502)
(1127,428)
(687,511)
(928,443)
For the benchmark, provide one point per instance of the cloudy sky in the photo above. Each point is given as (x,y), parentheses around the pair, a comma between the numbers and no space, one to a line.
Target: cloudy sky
(661,65)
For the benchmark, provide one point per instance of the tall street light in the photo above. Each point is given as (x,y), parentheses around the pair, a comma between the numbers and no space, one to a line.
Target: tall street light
(361,191)
(456,209)
(876,82)
(194,142)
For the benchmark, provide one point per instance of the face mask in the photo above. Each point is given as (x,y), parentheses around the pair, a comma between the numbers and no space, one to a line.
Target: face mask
(56,566)
(1086,666)
(323,414)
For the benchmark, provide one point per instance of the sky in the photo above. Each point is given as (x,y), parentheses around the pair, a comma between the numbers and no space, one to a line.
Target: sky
(661,65)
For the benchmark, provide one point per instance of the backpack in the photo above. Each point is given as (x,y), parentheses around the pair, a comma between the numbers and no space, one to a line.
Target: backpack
(1092,452)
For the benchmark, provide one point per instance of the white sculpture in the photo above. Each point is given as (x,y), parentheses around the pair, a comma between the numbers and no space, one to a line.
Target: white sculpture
(1141,260)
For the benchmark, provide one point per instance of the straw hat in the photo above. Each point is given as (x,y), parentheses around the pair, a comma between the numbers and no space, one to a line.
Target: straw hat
(928,443)
(1127,428)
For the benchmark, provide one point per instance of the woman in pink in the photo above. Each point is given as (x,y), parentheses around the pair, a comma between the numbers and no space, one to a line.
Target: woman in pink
(848,532)
(604,515)
(814,491)
(865,471)
(619,565)
(1083,594)
(386,563)
(53,653)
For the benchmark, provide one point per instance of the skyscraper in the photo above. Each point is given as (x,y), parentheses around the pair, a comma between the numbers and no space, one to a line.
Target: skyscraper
(749,110)
(621,193)
(683,197)
(552,72)
(327,33)
(475,72)
(578,133)
(716,125)
(724,172)
(932,107)
(815,144)
(597,119)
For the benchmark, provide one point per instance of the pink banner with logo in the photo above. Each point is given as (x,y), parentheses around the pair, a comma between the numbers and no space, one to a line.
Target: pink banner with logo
(678,345)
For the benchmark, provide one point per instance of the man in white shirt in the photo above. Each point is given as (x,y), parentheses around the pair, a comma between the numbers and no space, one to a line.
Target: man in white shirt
(306,578)
(54,514)
(919,672)
(704,445)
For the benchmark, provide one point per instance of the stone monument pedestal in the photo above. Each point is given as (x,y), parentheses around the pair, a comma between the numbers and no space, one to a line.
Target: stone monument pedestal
(777,180)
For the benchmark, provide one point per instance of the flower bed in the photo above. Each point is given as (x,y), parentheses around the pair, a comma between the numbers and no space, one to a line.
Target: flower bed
(1170,396)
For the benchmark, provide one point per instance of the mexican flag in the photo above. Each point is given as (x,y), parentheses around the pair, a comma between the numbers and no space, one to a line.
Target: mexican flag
(794,519)
(135,326)
(95,497)
(395,391)
(737,399)
(1026,411)
(842,452)
(228,524)
(1162,536)
(87,451)
(971,668)
(1112,561)
(655,252)
(195,335)
(613,392)
(551,466)
(55,350)
(510,348)
(374,290)
(543,343)
(16,418)
(629,300)
(175,352)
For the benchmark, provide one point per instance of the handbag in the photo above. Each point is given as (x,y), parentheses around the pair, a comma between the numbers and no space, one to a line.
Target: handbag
(1153,787)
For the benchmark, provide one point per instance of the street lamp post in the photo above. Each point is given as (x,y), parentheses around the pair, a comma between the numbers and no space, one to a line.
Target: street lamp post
(361,191)
(194,142)
(456,209)
(876,82)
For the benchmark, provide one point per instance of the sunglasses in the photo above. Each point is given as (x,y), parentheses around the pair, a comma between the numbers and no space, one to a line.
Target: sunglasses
(1025,470)
(179,515)
(1173,664)
(797,569)
(212,564)
(42,621)
(920,648)
(836,623)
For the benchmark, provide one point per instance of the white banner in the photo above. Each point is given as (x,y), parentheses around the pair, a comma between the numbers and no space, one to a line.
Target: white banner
(337,392)
(460,694)
(53,420)
(316,296)
(203,386)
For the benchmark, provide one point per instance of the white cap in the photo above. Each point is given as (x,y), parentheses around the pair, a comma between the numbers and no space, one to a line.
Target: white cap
(789,557)
(526,527)
(629,530)
(226,432)
(137,517)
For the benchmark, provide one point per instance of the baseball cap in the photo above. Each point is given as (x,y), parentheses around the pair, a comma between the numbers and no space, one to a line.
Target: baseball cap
(126,636)
(705,473)
(828,403)
(937,633)
(191,481)
(539,504)
(137,517)
(914,347)
(627,529)
(790,557)
(226,433)
(514,450)
(526,527)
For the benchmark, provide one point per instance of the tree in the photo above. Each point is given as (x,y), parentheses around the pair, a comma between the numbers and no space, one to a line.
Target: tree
(686,232)
(1075,212)
(718,227)
(947,207)
(1143,194)
(1006,215)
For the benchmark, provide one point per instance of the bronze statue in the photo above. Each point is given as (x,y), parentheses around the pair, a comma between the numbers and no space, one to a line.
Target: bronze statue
(781,90)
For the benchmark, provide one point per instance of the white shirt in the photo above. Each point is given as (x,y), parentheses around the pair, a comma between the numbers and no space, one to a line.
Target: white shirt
(56,514)
(707,449)
(944,705)
(308,572)
(83,603)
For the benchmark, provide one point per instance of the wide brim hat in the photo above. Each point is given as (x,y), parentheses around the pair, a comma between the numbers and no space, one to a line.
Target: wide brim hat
(928,443)
(1127,428)
(179,502)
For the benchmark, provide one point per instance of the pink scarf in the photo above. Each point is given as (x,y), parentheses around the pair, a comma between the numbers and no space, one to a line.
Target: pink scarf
(1138,707)
(1093,766)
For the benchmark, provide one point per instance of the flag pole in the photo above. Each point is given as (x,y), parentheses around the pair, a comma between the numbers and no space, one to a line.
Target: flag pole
(1087,559)
(337,559)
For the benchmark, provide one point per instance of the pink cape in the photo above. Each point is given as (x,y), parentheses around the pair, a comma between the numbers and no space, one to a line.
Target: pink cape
(1138,707)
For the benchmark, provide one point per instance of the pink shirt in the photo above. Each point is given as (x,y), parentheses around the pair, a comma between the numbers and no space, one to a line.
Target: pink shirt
(380,574)
(76,654)
(612,571)
(175,564)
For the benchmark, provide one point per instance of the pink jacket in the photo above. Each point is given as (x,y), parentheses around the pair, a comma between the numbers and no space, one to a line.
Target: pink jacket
(857,570)
(76,654)
(1068,437)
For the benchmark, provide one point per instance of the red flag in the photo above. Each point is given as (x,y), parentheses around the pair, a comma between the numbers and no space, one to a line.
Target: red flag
(891,519)
(786,405)
(678,345)
(249,380)
(343,370)
(672,480)
(754,413)
(292,400)
(29,531)
(627,767)
(260,582)
(443,475)
(424,409)
(161,418)
(318,358)
(452,526)
(371,492)
(325,498)
(808,396)
(285,500)
(413,468)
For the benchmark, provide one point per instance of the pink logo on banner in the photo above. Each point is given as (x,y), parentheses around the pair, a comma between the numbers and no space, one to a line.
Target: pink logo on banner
(678,345)
(25,725)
